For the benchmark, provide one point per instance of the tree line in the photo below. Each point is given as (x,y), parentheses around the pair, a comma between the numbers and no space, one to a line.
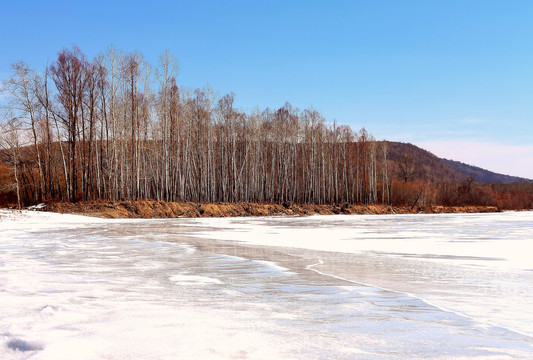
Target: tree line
(117,128)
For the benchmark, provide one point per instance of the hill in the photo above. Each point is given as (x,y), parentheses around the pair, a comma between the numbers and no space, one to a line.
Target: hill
(482,175)
(424,165)
(429,167)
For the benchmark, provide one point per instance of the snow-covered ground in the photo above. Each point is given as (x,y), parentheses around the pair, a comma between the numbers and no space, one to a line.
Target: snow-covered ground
(344,287)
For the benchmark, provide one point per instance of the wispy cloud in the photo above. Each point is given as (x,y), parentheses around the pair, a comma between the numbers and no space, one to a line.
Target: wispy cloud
(516,160)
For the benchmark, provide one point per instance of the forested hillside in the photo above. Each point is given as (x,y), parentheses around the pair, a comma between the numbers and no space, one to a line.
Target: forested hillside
(482,175)
(452,183)
(434,169)
(118,128)
(423,165)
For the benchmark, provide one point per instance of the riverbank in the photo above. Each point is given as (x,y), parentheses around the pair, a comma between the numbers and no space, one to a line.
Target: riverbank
(149,209)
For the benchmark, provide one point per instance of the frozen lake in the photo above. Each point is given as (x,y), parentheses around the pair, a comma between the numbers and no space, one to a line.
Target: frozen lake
(344,287)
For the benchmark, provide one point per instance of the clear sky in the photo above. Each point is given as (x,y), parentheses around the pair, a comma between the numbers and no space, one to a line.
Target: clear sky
(452,76)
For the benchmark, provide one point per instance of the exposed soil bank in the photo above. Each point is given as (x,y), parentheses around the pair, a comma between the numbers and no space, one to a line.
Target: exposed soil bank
(159,209)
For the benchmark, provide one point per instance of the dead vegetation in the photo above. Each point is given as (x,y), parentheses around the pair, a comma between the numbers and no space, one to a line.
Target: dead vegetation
(151,209)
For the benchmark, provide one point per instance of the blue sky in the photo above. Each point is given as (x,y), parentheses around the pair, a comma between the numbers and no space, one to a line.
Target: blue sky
(455,77)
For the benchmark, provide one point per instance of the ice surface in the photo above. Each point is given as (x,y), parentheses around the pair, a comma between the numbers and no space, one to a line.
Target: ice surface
(477,265)
(195,279)
(344,287)
(476,238)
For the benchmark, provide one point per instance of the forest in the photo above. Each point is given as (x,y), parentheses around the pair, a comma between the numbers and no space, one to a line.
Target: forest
(117,128)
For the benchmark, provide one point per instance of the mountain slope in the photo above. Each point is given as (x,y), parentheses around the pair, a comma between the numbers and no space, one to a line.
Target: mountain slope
(482,175)
(429,167)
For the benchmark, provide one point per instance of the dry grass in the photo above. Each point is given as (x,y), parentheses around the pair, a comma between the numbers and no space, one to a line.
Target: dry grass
(158,209)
